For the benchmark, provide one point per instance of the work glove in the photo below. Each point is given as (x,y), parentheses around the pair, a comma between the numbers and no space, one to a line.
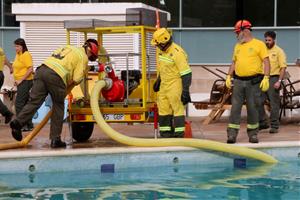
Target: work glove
(156,84)
(264,84)
(228,81)
(185,97)
(186,83)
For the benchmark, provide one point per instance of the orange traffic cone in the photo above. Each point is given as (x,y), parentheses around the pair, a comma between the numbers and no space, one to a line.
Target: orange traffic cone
(188,130)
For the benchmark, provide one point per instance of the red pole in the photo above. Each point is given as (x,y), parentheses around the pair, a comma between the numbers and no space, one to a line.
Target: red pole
(157,19)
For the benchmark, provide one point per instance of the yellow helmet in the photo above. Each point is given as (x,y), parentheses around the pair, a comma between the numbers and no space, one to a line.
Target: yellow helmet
(160,36)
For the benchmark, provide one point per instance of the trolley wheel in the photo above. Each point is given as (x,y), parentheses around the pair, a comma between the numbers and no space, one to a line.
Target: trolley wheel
(82,131)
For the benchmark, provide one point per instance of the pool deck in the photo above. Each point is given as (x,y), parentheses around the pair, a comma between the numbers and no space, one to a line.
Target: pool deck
(289,135)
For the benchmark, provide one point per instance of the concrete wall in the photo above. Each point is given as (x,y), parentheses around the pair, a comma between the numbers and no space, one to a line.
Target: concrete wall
(216,45)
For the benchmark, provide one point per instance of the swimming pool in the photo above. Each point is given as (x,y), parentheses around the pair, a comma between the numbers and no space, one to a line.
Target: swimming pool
(180,174)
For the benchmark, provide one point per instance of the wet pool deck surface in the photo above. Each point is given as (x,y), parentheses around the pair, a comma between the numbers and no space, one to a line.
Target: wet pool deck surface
(216,131)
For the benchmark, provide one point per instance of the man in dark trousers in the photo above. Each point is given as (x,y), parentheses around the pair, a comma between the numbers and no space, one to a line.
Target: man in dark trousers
(278,67)
(248,58)
(65,68)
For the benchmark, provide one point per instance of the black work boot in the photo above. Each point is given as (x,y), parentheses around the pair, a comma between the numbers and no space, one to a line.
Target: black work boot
(231,139)
(16,131)
(273,130)
(231,135)
(263,126)
(179,135)
(252,134)
(8,116)
(165,134)
(57,143)
(253,139)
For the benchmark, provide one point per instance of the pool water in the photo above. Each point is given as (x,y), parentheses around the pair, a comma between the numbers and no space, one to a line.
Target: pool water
(253,182)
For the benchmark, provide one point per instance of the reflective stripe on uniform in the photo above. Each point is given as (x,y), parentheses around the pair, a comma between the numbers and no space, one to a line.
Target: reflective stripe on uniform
(165,128)
(59,67)
(187,71)
(235,126)
(179,129)
(166,59)
(252,126)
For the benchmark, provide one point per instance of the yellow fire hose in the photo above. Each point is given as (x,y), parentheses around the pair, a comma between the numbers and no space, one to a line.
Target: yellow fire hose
(198,143)
(29,137)
(24,142)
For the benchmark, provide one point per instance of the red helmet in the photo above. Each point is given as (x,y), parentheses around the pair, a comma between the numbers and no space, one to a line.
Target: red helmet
(241,25)
(93,48)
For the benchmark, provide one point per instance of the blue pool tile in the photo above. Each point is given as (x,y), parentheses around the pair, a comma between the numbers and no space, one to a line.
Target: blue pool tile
(108,168)
(239,163)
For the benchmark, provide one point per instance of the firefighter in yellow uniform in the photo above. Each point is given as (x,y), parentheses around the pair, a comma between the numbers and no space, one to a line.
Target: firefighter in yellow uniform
(173,83)
(278,66)
(249,55)
(64,69)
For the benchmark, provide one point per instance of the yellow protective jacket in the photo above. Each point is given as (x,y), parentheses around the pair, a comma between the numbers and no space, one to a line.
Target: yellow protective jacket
(172,64)
(70,63)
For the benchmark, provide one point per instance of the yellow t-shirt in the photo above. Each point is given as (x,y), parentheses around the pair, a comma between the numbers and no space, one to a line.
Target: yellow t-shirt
(172,64)
(70,63)
(21,65)
(2,58)
(248,57)
(277,59)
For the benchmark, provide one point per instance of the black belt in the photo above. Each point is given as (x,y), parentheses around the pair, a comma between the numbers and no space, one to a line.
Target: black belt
(247,78)
(274,76)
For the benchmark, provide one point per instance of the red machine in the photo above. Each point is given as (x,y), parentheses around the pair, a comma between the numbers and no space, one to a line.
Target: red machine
(117,90)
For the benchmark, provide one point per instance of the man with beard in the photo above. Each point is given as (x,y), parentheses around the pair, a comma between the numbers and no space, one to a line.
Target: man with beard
(278,66)
(249,55)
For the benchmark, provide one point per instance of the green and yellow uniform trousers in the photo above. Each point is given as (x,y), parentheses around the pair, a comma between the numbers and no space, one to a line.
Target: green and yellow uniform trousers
(171,111)
(245,90)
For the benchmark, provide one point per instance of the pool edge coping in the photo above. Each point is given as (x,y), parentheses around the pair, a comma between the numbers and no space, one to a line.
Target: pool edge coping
(128,149)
